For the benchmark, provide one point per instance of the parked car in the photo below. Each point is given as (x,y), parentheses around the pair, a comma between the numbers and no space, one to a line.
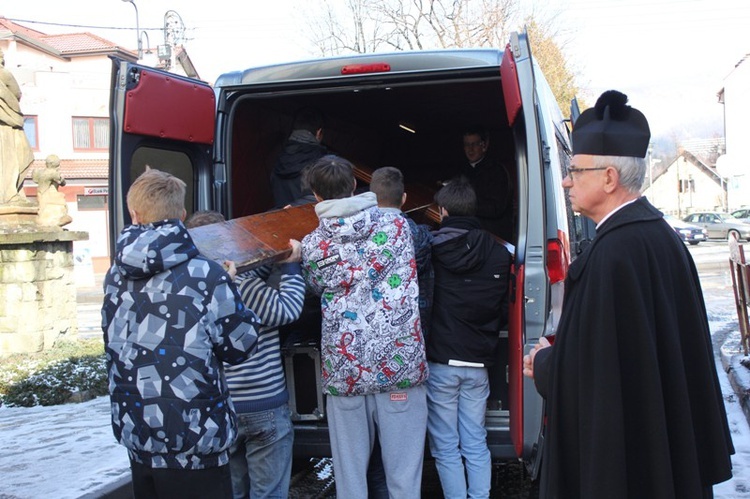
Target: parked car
(689,233)
(742,214)
(720,225)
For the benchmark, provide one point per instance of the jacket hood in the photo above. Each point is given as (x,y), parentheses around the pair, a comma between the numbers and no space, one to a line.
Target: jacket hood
(146,250)
(458,245)
(346,207)
(349,219)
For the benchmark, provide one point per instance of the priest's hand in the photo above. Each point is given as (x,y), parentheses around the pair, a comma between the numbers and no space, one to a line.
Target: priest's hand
(528,359)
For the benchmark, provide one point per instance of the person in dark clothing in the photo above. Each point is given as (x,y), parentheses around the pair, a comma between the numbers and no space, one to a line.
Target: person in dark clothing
(470,307)
(302,148)
(633,402)
(491,184)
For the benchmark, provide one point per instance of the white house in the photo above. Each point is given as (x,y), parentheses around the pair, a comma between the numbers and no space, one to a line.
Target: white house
(735,164)
(686,186)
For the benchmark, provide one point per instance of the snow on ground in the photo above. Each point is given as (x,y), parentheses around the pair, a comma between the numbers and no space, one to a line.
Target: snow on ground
(739,485)
(64,451)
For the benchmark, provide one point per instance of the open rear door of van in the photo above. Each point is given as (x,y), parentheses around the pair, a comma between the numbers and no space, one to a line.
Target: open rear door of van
(162,120)
(529,302)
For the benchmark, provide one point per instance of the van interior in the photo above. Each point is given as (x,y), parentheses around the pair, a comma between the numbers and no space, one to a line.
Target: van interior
(415,126)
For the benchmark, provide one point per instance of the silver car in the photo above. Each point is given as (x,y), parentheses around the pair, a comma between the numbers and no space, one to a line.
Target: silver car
(743,214)
(720,225)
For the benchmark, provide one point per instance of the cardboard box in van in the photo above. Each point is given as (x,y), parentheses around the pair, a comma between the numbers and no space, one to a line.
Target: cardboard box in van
(403,109)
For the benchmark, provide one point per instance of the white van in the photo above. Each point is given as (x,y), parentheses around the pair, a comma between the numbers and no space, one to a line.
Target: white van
(223,142)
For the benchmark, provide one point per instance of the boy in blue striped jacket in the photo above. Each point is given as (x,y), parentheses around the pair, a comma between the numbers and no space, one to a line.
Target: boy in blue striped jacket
(261,457)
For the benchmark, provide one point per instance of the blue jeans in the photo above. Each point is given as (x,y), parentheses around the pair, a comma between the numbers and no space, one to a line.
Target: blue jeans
(261,457)
(456,404)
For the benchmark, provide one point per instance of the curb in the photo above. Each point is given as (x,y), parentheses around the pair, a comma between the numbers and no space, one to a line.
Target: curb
(730,363)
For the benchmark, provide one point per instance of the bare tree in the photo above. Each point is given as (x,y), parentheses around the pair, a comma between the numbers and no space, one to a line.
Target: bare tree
(362,26)
(409,24)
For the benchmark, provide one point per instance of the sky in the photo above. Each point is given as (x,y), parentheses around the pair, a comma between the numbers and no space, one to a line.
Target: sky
(669,56)
(69,451)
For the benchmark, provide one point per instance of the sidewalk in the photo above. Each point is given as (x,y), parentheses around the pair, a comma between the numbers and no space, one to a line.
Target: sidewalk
(89,299)
(737,366)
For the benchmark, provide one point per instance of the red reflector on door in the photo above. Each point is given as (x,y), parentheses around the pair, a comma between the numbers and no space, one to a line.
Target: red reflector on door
(557,262)
(378,67)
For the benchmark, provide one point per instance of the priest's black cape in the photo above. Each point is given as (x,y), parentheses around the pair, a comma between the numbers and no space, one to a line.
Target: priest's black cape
(634,406)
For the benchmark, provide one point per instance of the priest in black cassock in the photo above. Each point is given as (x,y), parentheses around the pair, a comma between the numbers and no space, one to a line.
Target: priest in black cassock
(633,403)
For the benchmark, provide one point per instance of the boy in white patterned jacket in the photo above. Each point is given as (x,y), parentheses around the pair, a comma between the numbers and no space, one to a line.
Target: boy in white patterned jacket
(361,261)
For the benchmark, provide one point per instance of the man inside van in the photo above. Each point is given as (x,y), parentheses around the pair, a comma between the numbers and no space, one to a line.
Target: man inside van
(634,406)
(302,148)
(491,183)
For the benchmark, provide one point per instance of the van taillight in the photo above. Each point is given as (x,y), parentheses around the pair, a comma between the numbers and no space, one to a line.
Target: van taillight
(557,261)
(378,67)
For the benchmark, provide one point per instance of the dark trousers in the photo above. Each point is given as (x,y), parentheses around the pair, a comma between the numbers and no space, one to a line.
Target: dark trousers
(163,483)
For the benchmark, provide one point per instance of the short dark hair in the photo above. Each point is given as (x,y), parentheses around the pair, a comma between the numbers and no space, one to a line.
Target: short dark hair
(458,197)
(477,130)
(204,217)
(388,185)
(308,118)
(331,177)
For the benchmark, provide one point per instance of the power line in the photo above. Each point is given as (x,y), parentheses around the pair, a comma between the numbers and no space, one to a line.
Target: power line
(84,26)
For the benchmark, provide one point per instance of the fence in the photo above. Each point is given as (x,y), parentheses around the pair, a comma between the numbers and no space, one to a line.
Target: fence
(741,284)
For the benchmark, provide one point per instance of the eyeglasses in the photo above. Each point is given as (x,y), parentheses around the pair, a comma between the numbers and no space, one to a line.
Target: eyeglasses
(471,145)
(573,170)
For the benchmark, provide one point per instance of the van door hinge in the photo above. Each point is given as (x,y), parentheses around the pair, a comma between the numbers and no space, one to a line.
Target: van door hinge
(545,156)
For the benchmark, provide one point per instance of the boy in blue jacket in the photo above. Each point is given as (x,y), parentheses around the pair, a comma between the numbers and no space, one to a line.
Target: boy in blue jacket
(171,318)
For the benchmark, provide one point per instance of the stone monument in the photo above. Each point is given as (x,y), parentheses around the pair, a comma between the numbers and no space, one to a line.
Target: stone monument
(37,290)
(53,212)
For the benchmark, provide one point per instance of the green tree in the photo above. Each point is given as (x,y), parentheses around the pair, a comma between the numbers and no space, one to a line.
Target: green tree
(555,65)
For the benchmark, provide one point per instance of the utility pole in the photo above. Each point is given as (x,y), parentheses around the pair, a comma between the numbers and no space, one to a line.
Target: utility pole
(174,36)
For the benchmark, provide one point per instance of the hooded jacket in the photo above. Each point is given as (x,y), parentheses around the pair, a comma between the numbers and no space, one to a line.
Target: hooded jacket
(170,317)
(470,302)
(302,149)
(422,238)
(361,261)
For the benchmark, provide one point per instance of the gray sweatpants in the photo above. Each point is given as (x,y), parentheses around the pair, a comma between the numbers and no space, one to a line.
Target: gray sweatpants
(400,419)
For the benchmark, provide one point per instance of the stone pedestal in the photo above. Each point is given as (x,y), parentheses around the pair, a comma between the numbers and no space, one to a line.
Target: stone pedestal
(37,288)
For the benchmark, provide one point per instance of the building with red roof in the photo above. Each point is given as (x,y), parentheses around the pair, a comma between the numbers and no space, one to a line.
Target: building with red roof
(65,85)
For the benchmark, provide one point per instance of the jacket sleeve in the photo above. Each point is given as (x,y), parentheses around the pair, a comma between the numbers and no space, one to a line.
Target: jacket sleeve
(235,327)
(422,238)
(309,270)
(275,307)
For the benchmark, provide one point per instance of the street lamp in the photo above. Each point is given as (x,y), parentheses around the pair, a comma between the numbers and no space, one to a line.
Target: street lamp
(137,29)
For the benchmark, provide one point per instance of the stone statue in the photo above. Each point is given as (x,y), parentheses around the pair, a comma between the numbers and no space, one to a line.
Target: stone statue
(53,212)
(15,151)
